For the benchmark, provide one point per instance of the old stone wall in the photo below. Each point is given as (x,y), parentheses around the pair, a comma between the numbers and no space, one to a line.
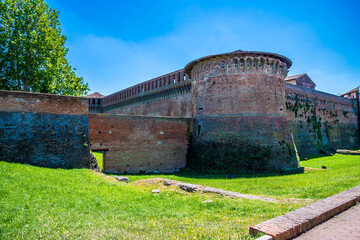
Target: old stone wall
(44,130)
(167,95)
(241,143)
(240,123)
(320,120)
(138,143)
(230,112)
(172,106)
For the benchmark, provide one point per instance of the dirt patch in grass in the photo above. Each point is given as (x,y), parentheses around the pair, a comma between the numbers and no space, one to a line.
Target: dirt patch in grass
(155,183)
(309,169)
(150,183)
(111,179)
(298,201)
(160,183)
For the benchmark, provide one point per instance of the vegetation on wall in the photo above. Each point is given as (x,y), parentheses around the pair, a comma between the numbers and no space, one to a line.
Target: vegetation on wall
(232,155)
(32,49)
(314,116)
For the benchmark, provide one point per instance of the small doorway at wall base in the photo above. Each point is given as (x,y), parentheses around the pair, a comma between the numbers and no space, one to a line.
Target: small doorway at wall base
(100,157)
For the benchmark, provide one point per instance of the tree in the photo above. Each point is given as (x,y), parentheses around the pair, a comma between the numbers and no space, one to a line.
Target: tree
(33,52)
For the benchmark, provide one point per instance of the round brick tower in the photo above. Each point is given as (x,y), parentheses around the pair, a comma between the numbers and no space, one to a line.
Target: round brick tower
(239,113)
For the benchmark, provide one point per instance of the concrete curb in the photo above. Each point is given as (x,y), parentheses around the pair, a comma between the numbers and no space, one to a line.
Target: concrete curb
(300,220)
(265,237)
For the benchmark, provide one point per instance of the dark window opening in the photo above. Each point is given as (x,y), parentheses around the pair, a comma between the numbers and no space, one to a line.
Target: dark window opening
(199,130)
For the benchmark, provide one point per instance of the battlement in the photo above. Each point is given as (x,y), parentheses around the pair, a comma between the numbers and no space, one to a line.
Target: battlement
(239,61)
(230,112)
(238,112)
(179,82)
(154,88)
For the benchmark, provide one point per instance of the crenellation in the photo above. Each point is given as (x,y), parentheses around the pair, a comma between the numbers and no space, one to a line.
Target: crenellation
(247,64)
(152,86)
(241,85)
(230,112)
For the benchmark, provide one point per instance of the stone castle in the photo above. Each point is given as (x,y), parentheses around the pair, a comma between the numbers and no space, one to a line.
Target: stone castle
(228,112)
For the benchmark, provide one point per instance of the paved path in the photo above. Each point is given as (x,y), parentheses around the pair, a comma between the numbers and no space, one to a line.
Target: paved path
(346,225)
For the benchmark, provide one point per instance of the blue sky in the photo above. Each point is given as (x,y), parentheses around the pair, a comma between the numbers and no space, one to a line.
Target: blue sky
(116,44)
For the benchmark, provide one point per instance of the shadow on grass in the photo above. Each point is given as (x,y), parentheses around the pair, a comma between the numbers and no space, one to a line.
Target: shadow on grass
(190,173)
(313,157)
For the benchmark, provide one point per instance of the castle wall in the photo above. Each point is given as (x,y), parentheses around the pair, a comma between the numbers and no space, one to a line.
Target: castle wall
(240,123)
(242,143)
(249,93)
(138,143)
(173,106)
(319,120)
(167,95)
(234,114)
(44,130)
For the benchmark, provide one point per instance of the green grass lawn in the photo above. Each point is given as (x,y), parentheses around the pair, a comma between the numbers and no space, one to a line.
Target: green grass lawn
(99,158)
(342,172)
(41,203)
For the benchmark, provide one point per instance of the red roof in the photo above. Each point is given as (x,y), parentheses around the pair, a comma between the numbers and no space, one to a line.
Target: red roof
(94,95)
(351,91)
(289,78)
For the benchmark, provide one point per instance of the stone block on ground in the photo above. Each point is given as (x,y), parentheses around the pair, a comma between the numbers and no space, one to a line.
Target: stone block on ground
(122,179)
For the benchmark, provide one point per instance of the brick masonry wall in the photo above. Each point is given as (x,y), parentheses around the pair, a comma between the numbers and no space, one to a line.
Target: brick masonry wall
(44,130)
(319,120)
(241,143)
(42,103)
(240,122)
(238,93)
(174,106)
(138,143)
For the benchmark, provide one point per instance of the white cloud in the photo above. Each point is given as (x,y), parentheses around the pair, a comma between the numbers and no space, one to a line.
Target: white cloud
(111,64)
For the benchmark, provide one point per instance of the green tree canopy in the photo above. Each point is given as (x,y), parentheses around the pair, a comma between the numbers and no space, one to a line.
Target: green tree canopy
(33,52)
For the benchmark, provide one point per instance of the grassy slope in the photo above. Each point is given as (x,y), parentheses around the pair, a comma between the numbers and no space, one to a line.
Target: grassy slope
(99,158)
(56,203)
(343,172)
(40,203)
